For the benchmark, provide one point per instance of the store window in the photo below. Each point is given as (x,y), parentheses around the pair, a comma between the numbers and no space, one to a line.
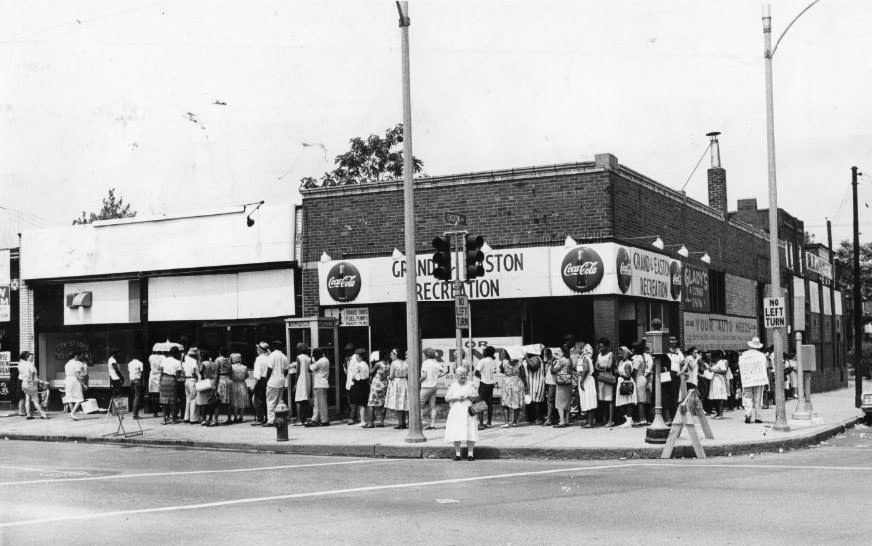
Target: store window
(717,292)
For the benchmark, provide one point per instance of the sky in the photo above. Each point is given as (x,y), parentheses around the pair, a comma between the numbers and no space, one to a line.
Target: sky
(186,106)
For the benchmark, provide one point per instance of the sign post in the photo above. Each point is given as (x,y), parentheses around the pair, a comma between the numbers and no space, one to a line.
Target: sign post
(773,313)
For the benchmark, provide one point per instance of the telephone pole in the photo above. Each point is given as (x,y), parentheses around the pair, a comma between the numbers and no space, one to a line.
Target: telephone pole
(858,303)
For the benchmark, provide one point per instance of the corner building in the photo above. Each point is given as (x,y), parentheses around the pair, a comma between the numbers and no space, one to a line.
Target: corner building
(573,253)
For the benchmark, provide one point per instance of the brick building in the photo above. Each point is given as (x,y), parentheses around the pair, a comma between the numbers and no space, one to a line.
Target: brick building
(590,249)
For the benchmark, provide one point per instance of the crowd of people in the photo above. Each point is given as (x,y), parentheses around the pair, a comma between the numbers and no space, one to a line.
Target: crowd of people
(550,386)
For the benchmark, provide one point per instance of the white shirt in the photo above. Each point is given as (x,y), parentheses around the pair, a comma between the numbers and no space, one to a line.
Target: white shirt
(190,367)
(27,374)
(170,366)
(111,363)
(134,369)
(487,367)
(675,360)
(320,373)
(279,364)
(430,372)
(261,365)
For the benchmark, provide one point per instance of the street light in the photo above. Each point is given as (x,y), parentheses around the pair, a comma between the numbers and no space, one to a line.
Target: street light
(774,265)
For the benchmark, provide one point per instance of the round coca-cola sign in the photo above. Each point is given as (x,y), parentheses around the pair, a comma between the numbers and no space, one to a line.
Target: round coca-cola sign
(582,269)
(675,279)
(624,269)
(343,282)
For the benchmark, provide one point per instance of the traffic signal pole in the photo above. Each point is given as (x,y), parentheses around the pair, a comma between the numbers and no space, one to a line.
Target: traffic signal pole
(413,343)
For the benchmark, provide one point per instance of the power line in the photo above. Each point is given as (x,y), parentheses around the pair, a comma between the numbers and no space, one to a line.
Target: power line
(697,165)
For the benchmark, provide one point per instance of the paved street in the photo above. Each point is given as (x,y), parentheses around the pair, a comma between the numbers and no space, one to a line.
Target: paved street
(104,494)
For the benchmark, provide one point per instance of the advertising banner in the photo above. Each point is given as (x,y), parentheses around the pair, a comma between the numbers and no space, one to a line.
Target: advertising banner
(5,304)
(595,269)
(695,291)
(710,332)
(446,349)
(820,266)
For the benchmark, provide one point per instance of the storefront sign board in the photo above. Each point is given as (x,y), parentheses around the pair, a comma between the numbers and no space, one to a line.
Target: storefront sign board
(820,266)
(723,332)
(5,359)
(695,290)
(354,316)
(5,267)
(5,304)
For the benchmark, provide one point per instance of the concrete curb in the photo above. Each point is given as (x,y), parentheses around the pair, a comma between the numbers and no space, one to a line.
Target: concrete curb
(441,451)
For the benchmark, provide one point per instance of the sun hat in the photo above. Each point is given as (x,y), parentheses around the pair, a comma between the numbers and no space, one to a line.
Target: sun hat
(755,343)
(263,346)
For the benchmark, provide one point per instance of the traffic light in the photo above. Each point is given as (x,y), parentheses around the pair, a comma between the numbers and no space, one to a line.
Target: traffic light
(442,258)
(474,256)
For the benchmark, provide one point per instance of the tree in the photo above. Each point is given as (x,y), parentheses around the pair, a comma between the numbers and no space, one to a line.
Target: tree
(845,271)
(373,159)
(112,208)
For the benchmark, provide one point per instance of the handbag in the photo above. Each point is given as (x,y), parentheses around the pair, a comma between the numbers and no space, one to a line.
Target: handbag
(477,407)
(203,385)
(607,377)
(626,388)
(563,378)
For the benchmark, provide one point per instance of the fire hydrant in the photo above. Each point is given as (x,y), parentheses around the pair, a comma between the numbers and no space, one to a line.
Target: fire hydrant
(281,422)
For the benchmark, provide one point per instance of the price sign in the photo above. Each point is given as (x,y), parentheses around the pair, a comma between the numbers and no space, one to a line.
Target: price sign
(774,315)
(461,311)
(355,316)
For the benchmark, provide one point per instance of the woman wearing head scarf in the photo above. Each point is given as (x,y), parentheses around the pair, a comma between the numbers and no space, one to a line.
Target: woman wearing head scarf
(587,396)
(625,392)
(238,389)
(563,372)
(397,397)
(643,366)
(460,426)
(534,386)
(378,389)
(514,386)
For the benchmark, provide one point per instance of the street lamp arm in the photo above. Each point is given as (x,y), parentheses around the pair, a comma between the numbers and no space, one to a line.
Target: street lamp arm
(778,41)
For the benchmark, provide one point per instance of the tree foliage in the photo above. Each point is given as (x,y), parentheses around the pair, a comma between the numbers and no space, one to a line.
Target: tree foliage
(373,159)
(845,255)
(112,208)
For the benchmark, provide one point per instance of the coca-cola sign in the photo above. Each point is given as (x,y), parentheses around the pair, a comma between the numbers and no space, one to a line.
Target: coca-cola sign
(675,279)
(624,269)
(582,269)
(343,282)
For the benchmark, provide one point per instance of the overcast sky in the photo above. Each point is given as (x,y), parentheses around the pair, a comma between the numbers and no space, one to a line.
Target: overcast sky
(100,94)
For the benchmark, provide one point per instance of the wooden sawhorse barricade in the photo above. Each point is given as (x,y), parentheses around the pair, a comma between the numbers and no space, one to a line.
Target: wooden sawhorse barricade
(118,409)
(689,408)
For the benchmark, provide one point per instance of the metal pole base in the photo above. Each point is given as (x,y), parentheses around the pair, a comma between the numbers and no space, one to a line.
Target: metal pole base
(781,427)
(656,435)
(413,438)
(801,416)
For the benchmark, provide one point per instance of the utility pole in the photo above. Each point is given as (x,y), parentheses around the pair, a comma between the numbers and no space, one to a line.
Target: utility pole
(774,265)
(858,303)
(833,299)
(413,344)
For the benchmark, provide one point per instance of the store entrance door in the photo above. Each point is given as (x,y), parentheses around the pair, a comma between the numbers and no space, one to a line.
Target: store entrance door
(318,333)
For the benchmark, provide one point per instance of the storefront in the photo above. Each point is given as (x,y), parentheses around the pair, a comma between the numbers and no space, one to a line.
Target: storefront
(207,280)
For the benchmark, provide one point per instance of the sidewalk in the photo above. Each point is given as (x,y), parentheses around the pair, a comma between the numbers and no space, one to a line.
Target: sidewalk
(835,410)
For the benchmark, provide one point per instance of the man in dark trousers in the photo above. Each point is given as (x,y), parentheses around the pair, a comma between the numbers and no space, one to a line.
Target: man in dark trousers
(260,373)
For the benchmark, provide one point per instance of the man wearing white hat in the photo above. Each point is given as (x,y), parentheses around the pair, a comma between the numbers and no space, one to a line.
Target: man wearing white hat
(752,396)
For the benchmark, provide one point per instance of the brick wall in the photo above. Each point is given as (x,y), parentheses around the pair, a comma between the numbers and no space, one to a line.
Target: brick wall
(25,319)
(605,318)
(741,296)
(717,189)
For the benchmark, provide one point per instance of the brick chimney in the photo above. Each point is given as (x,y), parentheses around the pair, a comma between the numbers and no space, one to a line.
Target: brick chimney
(717,177)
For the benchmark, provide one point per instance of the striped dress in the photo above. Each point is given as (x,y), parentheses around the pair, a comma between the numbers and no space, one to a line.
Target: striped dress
(535,378)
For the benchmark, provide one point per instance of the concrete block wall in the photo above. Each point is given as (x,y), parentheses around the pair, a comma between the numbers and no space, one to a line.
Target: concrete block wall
(26,338)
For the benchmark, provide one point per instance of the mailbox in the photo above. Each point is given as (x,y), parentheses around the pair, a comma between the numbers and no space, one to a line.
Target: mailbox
(657,341)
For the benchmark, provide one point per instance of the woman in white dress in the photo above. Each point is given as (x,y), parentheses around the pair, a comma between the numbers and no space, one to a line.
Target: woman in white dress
(643,365)
(605,367)
(718,385)
(460,426)
(397,398)
(587,395)
(75,394)
(627,401)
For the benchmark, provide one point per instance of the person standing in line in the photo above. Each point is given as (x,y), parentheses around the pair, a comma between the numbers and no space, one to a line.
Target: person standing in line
(191,368)
(561,367)
(643,366)
(460,426)
(155,359)
(134,371)
(378,389)
(587,393)
(673,386)
(358,387)
(625,401)
(279,367)
(690,369)
(223,388)
(238,390)
(431,371)
(550,387)
(486,368)
(74,391)
(605,367)
(513,388)
(790,377)
(116,380)
(259,373)
(752,397)
(207,400)
(29,384)
(303,387)
(349,356)
(171,368)
(397,398)
(718,383)
(320,369)
(534,386)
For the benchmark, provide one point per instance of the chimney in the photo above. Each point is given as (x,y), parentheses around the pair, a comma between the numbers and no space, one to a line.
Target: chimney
(717,177)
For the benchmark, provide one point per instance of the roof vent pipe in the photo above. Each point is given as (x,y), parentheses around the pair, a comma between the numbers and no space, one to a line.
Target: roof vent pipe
(715,148)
